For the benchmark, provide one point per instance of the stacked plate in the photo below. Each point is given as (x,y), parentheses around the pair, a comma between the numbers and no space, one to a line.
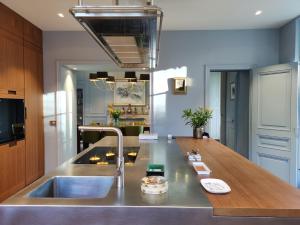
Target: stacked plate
(154,185)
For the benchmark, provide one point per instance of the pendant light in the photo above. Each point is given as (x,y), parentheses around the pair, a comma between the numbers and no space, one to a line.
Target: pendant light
(132,80)
(130,75)
(93,77)
(144,77)
(102,75)
(110,80)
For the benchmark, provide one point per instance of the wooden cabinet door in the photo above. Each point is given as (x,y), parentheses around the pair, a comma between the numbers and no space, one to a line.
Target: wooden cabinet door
(11,21)
(11,65)
(32,34)
(12,168)
(34,113)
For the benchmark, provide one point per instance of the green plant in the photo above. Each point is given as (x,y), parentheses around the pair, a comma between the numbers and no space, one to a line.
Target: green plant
(198,118)
(115,113)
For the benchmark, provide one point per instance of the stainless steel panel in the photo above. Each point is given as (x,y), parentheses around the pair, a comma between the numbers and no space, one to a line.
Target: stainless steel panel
(143,23)
(184,189)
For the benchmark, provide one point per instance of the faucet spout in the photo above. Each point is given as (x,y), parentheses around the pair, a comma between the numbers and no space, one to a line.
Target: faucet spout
(120,158)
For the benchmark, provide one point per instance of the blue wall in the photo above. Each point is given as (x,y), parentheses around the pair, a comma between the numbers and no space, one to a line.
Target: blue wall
(289,40)
(185,53)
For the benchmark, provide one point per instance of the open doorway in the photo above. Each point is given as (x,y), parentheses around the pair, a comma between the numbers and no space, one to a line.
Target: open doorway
(229,93)
(85,100)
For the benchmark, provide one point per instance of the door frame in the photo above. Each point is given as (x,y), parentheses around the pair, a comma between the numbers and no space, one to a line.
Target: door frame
(59,64)
(220,67)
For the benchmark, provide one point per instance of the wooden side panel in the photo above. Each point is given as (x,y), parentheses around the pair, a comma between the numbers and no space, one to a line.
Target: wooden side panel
(32,34)
(10,21)
(34,120)
(12,168)
(11,65)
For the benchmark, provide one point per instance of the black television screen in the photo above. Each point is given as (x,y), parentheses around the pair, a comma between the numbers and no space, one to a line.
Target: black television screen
(11,120)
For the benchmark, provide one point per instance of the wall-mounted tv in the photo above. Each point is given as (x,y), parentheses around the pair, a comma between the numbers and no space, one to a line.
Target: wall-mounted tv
(11,120)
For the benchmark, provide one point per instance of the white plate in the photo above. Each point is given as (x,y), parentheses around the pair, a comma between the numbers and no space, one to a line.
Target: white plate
(201,172)
(215,186)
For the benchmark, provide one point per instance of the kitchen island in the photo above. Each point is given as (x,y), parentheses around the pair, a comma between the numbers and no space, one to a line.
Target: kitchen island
(184,203)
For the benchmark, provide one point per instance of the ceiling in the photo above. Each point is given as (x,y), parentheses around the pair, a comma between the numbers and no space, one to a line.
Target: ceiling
(104,66)
(179,14)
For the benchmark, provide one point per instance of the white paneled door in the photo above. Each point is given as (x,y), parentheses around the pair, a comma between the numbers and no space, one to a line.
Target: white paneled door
(274,120)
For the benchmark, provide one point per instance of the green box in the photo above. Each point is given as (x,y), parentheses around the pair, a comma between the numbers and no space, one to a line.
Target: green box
(155,170)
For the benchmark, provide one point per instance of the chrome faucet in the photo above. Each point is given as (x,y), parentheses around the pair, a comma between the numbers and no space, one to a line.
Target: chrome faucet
(120,158)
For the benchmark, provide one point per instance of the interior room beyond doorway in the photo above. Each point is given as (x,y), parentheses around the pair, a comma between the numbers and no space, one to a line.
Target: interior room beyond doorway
(229,100)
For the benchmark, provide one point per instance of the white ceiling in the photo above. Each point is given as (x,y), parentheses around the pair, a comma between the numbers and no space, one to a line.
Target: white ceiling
(108,66)
(179,14)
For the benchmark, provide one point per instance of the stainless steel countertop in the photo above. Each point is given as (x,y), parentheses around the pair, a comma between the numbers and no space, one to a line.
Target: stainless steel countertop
(184,189)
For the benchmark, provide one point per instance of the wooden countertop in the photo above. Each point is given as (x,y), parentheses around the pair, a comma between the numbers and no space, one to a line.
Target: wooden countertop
(255,192)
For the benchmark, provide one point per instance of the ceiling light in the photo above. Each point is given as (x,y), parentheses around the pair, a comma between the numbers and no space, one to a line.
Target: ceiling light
(102,75)
(61,15)
(258,12)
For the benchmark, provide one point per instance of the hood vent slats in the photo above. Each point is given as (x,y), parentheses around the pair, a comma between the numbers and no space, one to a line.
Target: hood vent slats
(128,34)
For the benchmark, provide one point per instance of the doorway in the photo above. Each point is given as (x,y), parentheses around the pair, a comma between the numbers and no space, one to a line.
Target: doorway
(229,93)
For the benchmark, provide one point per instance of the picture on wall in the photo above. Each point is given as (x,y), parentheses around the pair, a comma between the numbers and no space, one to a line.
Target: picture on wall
(179,86)
(129,93)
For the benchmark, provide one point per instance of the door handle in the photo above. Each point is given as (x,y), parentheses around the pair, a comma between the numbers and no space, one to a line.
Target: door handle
(11,92)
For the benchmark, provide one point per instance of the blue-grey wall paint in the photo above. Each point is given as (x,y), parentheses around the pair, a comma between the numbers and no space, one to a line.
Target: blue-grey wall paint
(289,39)
(194,50)
(190,50)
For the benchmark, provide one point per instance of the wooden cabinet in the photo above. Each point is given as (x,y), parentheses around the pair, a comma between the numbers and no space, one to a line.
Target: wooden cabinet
(21,76)
(33,65)
(32,34)
(12,168)
(10,21)
(11,65)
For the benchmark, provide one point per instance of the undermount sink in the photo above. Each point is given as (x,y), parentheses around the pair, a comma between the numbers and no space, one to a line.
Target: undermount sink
(74,187)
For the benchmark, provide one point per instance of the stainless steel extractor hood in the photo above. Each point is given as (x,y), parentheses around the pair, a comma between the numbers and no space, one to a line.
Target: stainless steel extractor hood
(128,34)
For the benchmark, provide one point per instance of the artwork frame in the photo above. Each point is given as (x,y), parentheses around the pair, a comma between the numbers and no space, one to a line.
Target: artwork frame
(179,86)
(126,93)
(232,91)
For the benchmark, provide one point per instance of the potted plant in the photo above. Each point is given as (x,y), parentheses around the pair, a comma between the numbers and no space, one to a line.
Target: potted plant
(197,119)
(115,114)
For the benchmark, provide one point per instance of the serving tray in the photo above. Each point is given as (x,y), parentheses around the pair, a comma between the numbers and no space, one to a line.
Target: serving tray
(204,169)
